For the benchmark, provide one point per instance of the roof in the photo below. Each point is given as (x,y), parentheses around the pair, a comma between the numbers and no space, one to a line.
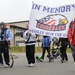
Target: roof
(13,26)
(18,22)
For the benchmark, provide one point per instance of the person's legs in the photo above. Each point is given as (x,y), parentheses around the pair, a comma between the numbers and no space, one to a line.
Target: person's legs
(48,51)
(6,55)
(43,52)
(1,59)
(62,52)
(73,52)
(28,54)
(32,54)
(65,53)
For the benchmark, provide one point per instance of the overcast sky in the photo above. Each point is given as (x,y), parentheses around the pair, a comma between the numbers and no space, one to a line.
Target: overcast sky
(19,10)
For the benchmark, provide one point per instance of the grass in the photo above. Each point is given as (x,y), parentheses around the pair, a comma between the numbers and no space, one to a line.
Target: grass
(37,50)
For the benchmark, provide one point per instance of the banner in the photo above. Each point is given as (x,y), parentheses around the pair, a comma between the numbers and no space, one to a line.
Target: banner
(51,21)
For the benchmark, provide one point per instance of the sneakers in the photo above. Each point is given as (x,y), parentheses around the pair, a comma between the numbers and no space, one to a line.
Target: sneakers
(6,66)
(1,65)
(31,65)
(41,60)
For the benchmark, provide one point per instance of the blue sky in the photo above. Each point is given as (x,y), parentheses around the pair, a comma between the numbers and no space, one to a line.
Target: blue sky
(19,10)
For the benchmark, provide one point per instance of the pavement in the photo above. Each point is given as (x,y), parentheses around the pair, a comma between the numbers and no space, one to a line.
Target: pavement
(41,68)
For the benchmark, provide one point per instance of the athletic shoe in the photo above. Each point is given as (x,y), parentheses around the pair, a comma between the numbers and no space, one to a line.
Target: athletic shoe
(31,65)
(1,65)
(6,66)
(41,60)
(28,65)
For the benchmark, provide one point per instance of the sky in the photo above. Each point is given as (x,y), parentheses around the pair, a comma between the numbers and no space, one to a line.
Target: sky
(19,10)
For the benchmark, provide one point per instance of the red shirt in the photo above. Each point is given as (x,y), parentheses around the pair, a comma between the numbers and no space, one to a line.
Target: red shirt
(71,33)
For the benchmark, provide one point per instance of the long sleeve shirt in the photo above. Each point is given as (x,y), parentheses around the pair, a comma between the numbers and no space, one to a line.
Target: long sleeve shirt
(29,39)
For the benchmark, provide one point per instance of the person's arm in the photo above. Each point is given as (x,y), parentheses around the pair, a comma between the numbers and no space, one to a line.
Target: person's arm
(9,35)
(25,34)
(70,35)
(49,40)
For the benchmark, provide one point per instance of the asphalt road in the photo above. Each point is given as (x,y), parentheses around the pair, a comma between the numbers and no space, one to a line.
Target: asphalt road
(41,68)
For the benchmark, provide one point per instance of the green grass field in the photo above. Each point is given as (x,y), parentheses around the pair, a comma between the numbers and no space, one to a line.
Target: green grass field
(37,49)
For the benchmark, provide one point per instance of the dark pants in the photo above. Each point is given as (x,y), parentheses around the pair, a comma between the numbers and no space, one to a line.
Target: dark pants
(30,53)
(44,50)
(73,52)
(5,51)
(1,59)
(63,52)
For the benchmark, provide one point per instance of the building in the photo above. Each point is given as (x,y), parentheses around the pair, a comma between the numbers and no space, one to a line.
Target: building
(17,29)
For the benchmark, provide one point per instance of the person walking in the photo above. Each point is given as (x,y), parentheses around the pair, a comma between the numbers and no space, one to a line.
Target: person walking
(46,42)
(71,37)
(63,43)
(5,38)
(30,40)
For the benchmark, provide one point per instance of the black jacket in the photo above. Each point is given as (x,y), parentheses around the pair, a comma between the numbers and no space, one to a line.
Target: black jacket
(64,41)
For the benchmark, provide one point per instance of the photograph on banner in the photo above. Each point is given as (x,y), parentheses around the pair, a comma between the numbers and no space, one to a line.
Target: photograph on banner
(51,21)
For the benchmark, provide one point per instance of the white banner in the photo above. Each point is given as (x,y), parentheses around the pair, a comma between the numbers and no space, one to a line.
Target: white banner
(51,21)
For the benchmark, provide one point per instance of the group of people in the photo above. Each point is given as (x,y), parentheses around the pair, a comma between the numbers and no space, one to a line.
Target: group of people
(30,40)
(56,50)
